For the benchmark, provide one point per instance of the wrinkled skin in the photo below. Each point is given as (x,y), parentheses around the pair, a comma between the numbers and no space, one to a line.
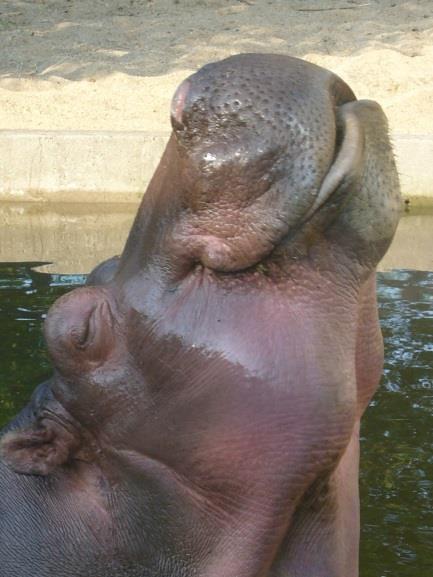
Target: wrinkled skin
(203,415)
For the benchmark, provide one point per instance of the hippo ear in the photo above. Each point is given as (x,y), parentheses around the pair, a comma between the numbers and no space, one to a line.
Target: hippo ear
(104,272)
(39,449)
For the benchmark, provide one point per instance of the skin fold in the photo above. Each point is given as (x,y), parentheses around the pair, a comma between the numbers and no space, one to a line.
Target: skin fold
(203,414)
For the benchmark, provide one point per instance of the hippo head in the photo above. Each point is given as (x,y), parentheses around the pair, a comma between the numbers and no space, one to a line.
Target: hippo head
(240,312)
(271,161)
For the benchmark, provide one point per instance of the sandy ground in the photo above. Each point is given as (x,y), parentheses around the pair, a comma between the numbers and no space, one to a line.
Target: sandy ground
(113,65)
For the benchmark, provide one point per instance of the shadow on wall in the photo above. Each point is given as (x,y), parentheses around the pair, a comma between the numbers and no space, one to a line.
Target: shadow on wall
(79,39)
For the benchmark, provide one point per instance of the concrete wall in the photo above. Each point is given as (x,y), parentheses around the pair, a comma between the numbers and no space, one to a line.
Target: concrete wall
(117,166)
(77,166)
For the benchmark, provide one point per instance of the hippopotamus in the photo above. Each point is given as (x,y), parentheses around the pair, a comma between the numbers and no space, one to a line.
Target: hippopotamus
(202,418)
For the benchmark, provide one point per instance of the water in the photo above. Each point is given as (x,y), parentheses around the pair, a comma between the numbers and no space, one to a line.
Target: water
(75,237)
(397,435)
(397,432)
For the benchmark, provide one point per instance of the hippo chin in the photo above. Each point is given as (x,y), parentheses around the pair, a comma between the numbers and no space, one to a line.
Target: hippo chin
(203,414)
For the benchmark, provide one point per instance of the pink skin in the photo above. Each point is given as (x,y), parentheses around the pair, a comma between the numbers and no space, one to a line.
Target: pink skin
(296,417)
(178,102)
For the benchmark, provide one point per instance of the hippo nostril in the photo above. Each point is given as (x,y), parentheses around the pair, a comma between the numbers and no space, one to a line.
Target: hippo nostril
(178,105)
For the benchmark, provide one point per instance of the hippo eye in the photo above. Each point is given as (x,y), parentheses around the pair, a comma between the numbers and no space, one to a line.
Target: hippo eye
(94,334)
(79,329)
(83,336)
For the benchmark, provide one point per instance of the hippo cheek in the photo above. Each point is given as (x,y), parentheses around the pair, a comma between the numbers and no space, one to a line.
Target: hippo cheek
(80,331)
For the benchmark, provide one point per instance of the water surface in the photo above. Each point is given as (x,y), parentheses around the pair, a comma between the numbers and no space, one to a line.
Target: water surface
(76,237)
(397,432)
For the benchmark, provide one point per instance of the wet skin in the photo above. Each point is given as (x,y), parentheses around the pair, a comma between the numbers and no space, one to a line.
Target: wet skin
(203,415)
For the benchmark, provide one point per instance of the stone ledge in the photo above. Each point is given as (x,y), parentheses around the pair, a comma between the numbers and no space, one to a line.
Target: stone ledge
(414,155)
(68,166)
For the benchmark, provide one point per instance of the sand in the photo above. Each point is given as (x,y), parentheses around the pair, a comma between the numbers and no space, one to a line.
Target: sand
(113,65)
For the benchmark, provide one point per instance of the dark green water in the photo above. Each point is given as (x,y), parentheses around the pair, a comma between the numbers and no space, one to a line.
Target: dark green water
(397,433)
